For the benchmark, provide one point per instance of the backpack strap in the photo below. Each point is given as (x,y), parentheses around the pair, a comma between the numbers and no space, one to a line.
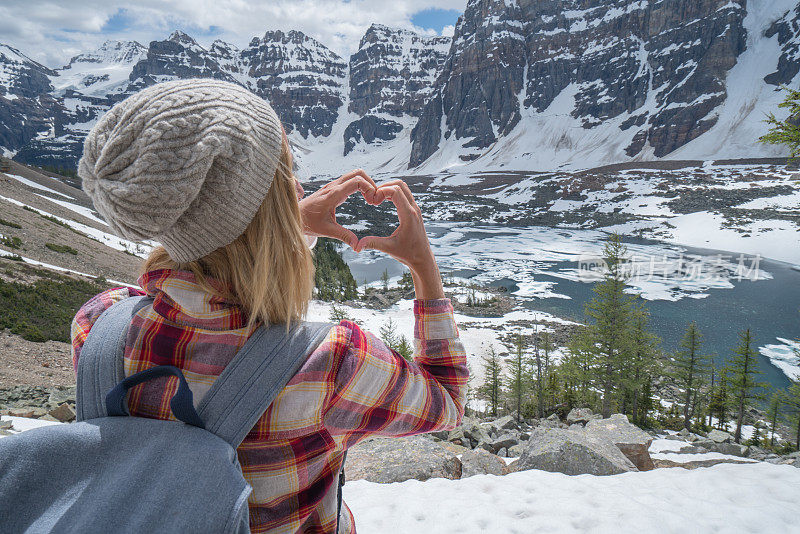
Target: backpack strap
(100,365)
(255,376)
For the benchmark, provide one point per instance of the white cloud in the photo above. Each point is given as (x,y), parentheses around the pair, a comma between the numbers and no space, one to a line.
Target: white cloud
(52,32)
(448,30)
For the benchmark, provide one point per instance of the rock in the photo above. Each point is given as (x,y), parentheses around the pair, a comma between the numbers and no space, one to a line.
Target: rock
(503,453)
(516,450)
(718,436)
(386,460)
(579,416)
(27,412)
(572,453)
(63,413)
(630,439)
(502,442)
(5,433)
(524,436)
(48,417)
(796,463)
(691,438)
(5,425)
(705,444)
(674,437)
(475,433)
(456,435)
(481,462)
(60,396)
(505,423)
(576,426)
(732,449)
(550,422)
(684,433)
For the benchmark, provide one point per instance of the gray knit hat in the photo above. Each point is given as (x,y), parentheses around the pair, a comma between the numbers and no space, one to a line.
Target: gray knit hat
(186,163)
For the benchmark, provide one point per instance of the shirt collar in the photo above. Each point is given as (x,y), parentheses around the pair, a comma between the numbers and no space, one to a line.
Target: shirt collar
(179,297)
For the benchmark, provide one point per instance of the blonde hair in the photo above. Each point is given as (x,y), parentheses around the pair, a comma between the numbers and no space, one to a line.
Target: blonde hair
(268,270)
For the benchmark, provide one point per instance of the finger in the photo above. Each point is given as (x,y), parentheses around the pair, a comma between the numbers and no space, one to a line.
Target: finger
(405,211)
(337,231)
(357,183)
(404,187)
(358,172)
(382,244)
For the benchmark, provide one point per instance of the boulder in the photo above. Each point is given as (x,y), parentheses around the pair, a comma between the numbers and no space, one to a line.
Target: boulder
(503,453)
(632,441)
(386,460)
(705,444)
(6,425)
(550,422)
(718,436)
(516,450)
(481,462)
(732,449)
(501,442)
(63,413)
(505,423)
(579,416)
(475,433)
(572,453)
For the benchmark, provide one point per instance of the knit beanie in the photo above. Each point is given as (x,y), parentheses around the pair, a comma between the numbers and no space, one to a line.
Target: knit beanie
(186,162)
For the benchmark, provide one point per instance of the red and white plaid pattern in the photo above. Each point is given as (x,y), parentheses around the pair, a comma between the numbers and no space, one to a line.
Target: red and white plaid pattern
(352,386)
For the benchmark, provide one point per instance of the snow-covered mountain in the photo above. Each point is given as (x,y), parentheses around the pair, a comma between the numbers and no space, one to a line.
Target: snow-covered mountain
(522,86)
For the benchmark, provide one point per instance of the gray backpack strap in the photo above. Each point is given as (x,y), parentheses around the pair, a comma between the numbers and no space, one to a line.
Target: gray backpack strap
(100,365)
(256,375)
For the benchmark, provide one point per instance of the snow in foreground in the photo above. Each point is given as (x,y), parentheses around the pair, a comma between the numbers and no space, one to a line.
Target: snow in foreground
(724,498)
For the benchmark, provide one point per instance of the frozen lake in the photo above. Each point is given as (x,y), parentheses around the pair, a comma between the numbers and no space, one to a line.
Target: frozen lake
(548,270)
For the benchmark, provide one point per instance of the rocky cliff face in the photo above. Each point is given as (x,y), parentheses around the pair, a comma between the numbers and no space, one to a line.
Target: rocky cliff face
(523,84)
(660,65)
(392,76)
(26,106)
(303,80)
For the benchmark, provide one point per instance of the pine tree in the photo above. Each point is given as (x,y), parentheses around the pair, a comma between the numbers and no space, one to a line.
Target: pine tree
(518,379)
(385,280)
(337,314)
(774,409)
(719,401)
(404,348)
(691,368)
(791,399)
(743,378)
(388,333)
(493,380)
(641,365)
(611,310)
(577,370)
(786,132)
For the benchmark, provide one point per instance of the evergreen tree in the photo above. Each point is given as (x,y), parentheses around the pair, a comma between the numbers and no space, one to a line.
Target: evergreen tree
(719,400)
(337,314)
(791,399)
(577,370)
(385,280)
(641,366)
(493,380)
(404,348)
(743,378)
(518,379)
(332,276)
(691,368)
(388,333)
(774,409)
(786,132)
(611,310)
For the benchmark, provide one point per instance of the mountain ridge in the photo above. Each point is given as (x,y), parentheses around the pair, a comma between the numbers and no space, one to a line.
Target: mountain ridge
(522,85)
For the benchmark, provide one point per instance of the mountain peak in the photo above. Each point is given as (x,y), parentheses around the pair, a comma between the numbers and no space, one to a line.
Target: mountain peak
(179,36)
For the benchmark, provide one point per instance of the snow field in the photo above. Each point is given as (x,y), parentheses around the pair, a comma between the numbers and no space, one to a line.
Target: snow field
(723,498)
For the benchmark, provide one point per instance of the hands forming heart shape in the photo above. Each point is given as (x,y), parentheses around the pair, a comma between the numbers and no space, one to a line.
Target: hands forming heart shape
(407,244)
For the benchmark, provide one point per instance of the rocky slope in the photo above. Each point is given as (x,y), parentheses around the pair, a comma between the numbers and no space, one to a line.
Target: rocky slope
(523,85)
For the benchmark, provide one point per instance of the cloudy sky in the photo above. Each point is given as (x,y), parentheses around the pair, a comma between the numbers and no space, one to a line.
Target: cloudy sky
(52,31)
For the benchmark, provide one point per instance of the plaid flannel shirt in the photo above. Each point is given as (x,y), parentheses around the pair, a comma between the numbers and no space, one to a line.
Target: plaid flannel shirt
(352,386)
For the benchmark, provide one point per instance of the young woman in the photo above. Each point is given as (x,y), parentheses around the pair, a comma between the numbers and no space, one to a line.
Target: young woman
(204,168)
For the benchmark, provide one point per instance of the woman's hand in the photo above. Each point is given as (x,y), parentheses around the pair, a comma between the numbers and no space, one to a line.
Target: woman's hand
(409,243)
(318,210)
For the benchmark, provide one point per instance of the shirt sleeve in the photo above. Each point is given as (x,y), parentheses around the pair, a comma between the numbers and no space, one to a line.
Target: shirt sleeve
(377,392)
(88,314)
